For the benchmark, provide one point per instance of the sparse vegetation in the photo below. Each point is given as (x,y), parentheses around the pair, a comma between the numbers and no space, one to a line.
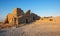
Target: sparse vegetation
(51,19)
(41,18)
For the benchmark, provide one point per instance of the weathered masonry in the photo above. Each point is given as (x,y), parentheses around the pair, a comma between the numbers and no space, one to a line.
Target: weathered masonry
(18,17)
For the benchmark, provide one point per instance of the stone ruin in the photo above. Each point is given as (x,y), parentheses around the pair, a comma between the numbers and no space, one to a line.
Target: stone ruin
(18,17)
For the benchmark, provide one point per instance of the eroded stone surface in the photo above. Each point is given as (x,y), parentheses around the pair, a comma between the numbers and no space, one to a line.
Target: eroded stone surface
(18,17)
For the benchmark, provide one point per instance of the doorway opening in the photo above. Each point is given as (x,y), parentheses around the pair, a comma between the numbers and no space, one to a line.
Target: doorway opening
(33,18)
(27,21)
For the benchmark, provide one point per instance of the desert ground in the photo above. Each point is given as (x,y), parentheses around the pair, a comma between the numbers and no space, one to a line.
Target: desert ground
(37,28)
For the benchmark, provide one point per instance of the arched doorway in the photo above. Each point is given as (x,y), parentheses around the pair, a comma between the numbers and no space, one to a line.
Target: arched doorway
(33,18)
(27,21)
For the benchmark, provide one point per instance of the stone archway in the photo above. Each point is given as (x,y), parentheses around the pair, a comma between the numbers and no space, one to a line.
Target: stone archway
(27,21)
(33,18)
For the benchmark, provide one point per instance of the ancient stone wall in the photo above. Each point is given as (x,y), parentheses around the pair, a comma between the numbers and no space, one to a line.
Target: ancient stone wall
(18,17)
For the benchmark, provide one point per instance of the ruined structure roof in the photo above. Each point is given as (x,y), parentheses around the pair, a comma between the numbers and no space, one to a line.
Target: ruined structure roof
(17,10)
(28,11)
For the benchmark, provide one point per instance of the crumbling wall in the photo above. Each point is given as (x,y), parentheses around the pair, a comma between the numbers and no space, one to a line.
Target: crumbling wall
(18,17)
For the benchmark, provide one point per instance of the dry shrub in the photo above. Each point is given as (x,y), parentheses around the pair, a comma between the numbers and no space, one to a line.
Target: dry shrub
(50,19)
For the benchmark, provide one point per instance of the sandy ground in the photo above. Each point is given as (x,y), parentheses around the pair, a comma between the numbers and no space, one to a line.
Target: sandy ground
(33,29)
